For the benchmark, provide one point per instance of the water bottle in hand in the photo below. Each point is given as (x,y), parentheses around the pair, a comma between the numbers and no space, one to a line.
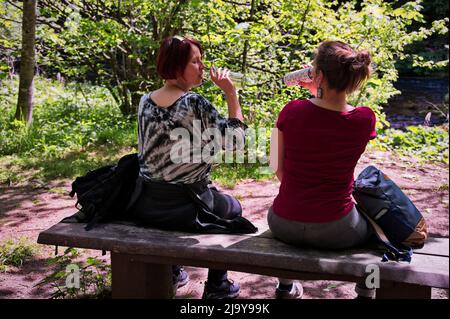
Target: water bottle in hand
(298,77)
(236,77)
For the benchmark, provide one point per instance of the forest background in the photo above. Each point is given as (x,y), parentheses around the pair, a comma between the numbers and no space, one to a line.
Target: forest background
(91,61)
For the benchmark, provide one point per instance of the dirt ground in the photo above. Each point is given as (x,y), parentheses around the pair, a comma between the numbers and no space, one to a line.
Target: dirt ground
(29,208)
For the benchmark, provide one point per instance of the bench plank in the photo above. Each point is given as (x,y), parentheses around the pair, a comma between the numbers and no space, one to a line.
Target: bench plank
(435,246)
(248,251)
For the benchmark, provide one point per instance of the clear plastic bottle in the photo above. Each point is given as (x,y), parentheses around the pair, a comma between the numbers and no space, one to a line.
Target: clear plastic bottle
(236,77)
(297,77)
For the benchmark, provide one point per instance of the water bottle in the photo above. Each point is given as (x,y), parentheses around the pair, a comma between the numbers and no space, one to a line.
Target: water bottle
(236,77)
(297,77)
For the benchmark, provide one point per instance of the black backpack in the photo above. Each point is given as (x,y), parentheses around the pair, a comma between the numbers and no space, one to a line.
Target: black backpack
(103,194)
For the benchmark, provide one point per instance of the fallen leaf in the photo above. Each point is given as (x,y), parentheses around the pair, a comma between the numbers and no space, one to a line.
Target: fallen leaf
(329,287)
(409,176)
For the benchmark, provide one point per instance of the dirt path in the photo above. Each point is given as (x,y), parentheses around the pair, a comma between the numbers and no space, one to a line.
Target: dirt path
(27,209)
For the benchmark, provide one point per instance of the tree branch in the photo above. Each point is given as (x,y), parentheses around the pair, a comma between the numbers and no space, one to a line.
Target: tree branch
(246,44)
(6,19)
(237,3)
(301,27)
(51,24)
(173,13)
(304,18)
(14,5)
(263,70)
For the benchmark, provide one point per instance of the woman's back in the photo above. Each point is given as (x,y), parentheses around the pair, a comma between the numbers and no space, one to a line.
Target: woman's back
(318,145)
(164,132)
(321,149)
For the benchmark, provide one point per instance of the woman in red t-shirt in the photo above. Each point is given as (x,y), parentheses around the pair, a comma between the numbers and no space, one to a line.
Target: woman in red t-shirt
(317,144)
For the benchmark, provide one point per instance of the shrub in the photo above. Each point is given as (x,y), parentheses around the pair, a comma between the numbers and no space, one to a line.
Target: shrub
(94,277)
(426,143)
(15,253)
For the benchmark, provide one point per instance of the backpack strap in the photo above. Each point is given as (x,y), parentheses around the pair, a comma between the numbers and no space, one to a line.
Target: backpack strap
(401,254)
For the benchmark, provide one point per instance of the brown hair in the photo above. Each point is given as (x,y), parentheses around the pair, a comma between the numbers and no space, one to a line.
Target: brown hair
(344,68)
(173,56)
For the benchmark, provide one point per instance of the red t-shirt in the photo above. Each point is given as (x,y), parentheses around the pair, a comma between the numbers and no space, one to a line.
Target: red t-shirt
(321,149)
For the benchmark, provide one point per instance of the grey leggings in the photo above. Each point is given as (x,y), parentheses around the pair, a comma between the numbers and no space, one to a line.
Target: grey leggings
(350,231)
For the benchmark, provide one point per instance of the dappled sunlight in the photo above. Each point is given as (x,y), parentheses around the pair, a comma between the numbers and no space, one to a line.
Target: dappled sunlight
(224,241)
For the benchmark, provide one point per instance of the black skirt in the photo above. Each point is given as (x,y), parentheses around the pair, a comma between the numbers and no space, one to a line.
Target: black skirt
(198,207)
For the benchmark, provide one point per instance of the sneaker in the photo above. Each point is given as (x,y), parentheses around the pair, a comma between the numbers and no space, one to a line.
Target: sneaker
(363,292)
(296,292)
(180,278)
(226,290)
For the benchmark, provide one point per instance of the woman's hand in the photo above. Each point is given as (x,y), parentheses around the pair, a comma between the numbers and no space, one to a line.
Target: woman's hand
(221,78)
(311,86)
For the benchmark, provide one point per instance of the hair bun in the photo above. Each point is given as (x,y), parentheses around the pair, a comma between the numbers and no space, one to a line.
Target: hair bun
(359,60)
(363,57)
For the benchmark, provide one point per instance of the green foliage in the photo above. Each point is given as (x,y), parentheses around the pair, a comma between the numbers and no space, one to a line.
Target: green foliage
(426,143)
(264,39)
(95,277)
(15,253)
(76,127)
(66,118)
(10,36)
(428,57)
(280,36)
(79,127)
(114,41)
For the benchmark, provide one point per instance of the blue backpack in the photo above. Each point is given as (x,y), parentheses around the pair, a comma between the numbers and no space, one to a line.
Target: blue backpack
(395,219)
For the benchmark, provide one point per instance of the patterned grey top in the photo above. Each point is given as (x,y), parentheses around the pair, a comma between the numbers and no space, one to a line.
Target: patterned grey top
(171,140)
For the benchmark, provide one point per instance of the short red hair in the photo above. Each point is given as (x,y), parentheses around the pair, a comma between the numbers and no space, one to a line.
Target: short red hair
(173,56)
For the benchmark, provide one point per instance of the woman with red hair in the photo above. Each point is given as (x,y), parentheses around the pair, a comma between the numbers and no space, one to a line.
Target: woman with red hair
(176,193)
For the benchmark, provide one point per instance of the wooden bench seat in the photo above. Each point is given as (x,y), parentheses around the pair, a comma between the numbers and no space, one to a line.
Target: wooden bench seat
(141,259)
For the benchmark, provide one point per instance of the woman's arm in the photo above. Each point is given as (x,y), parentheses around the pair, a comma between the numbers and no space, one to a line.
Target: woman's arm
(276,157)
(234,108)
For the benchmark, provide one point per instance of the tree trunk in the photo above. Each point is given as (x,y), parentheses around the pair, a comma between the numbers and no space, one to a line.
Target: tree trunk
(246,44)
(24,109)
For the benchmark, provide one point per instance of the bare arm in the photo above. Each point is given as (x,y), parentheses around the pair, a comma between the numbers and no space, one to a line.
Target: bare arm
(277,153)
(234,108)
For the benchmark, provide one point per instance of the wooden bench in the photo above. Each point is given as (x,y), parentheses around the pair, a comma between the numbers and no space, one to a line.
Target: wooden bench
(141,259)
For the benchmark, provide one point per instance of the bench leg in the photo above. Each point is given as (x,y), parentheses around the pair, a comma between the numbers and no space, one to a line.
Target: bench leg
(133,279)
(395,290)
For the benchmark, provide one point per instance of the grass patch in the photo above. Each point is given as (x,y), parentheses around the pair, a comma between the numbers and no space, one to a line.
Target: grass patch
(18,168)
(441,188)
(15,253)
(75,128)
(228,175)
